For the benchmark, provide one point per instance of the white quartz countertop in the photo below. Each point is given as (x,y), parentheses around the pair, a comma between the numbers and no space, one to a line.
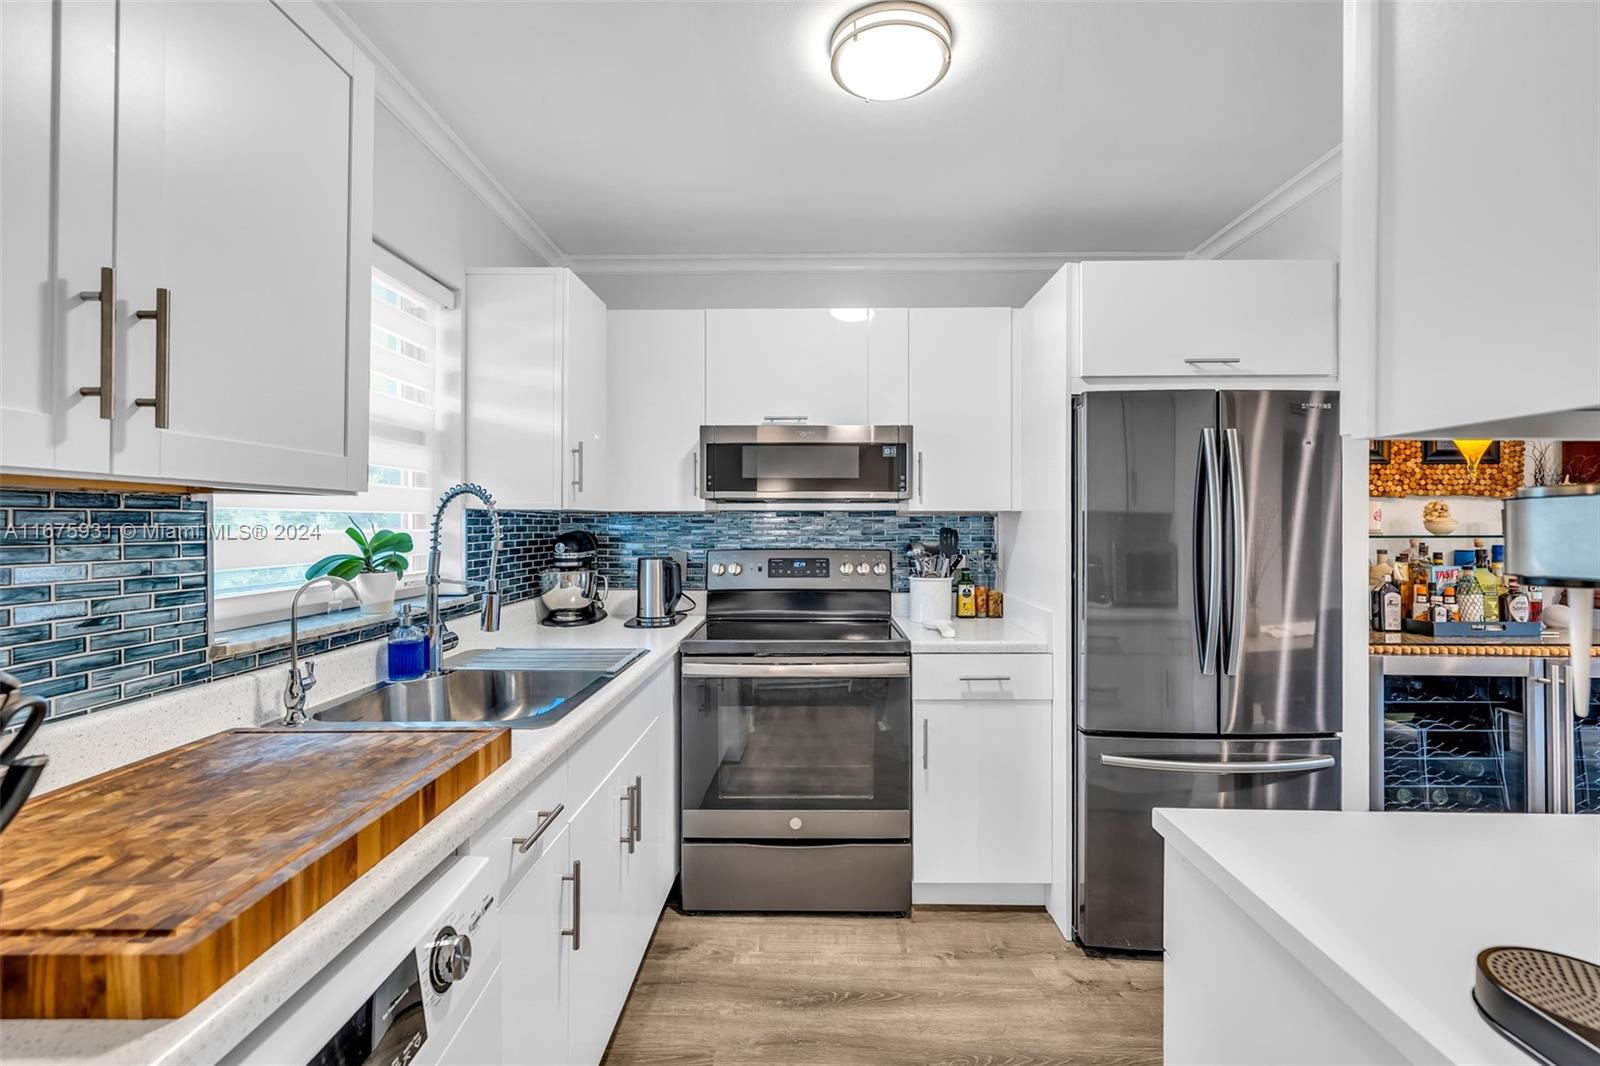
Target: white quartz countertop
(212,1029)
(972,635)
(1390,910)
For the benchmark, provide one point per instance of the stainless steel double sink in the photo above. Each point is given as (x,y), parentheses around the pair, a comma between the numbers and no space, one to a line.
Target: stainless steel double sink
(506,687)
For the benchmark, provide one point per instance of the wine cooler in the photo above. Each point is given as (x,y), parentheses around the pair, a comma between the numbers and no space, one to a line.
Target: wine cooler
(1462,733)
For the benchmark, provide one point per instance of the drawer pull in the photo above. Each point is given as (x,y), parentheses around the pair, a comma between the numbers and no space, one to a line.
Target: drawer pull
(998,679)
(631,798)
(1213,361)
(576,932)
(546,820)
(638,809)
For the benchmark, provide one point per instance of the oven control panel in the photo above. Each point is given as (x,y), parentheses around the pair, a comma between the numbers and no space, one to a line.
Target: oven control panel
(810,568)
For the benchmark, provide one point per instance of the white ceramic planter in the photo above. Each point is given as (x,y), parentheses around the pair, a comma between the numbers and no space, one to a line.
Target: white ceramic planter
(376,592)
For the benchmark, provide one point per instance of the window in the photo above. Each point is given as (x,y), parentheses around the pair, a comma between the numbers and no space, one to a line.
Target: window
(264,542)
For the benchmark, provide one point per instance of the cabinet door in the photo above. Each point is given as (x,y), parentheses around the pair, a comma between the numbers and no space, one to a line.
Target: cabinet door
(603,963)
(961,408)
(778,365)
(513,393)
(656,403)
(980,805)
(583,396)
(57,102)
(889,367)
(536,971)
(1182,318)
(244,159)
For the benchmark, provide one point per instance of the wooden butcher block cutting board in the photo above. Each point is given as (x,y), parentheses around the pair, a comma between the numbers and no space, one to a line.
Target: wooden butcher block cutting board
(137,893)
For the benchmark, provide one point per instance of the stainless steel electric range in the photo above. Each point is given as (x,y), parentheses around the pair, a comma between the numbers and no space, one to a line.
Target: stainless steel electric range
(795,737)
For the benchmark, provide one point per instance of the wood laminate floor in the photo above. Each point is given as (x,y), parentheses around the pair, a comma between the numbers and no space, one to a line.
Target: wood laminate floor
(950,986)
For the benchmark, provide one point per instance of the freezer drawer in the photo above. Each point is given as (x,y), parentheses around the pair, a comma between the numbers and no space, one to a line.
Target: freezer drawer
(1122,779)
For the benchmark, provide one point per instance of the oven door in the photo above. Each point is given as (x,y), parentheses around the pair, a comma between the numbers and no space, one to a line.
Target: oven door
(799,462)
(789,748)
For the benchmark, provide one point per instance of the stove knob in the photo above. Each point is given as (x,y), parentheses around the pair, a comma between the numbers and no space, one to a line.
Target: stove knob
(847,568)
(735,569)
(880,569)
(717,569)
(450,959)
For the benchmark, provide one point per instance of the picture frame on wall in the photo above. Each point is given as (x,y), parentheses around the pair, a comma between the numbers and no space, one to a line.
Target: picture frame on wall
(1377,451)
(1444,452)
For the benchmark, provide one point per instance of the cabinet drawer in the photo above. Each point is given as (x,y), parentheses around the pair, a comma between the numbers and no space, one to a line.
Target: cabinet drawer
(981,677)
(521,819)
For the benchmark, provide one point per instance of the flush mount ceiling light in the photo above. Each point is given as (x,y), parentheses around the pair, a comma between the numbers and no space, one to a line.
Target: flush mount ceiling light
(891,51)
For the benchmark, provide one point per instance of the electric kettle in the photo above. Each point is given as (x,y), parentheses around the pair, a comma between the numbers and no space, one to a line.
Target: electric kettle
(660,590)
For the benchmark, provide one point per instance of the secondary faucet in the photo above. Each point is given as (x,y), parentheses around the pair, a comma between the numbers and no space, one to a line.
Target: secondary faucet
(490,619)
(294,694)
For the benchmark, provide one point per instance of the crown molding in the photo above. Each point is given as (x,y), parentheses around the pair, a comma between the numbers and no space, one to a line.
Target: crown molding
(415,114)
(809,263)
(1324,171)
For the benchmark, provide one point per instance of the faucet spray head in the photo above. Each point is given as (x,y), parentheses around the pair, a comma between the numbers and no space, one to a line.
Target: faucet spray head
(490,618)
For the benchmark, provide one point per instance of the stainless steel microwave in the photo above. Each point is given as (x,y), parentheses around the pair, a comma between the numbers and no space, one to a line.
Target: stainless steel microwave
(805,462)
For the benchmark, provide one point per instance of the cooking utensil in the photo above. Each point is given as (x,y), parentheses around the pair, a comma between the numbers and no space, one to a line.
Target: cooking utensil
(17,783)
(12,705)
(949,543)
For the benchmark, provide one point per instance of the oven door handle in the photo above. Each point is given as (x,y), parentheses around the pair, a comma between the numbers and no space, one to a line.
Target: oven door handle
(818,668)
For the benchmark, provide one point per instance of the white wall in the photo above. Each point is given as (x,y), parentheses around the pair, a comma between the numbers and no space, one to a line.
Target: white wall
(428,216)
(694,291)
(1309,230)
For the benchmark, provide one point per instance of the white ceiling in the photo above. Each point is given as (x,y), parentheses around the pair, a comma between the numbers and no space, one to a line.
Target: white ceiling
(714,129)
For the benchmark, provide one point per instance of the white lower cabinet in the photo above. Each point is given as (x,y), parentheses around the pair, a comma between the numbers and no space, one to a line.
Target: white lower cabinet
(980,795)
(578,919)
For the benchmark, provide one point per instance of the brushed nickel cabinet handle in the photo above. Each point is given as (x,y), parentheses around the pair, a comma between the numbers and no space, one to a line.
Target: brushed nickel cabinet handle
(108,324)
(998,679)
(694,481)
(576,932)
(786,419)
(629,797)
(920,478)
(577,467)
(924,743)
(546,820)
(638,809)
(163,317)
(1212,361)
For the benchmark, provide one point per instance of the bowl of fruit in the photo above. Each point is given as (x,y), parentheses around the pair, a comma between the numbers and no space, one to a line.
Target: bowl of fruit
(1436,518)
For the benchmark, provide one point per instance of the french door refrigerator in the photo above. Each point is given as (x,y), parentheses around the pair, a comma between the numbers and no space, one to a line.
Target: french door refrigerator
(1206,579)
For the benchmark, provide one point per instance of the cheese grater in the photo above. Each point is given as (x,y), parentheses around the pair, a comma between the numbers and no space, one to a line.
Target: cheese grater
(1546,1003)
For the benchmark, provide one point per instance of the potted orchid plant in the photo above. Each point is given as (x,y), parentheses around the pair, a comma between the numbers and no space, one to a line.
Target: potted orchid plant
(374,568)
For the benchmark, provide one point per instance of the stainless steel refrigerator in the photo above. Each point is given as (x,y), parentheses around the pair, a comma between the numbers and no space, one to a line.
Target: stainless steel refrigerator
(1206,579)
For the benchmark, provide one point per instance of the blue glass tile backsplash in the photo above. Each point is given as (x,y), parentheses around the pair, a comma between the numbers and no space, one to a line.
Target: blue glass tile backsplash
(528,537)
(103,594)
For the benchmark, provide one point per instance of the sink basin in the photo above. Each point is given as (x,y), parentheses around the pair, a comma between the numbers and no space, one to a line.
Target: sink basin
(524,698)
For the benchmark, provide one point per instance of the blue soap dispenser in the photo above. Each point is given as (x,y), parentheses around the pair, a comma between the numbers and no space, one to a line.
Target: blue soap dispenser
(408,648)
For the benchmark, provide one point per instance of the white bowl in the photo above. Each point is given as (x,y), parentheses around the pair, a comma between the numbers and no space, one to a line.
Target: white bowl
(1440,527)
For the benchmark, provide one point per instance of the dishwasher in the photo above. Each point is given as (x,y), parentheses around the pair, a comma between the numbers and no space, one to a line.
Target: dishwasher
(421,987)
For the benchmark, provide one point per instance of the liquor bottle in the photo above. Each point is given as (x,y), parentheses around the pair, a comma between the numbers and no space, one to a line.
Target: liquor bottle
(1489,589)
(1402,578)
(1452,606)
(1389,605)
(1514,602)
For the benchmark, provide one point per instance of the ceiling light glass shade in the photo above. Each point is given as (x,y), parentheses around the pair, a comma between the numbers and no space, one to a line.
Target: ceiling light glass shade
(891,51)
(851,314)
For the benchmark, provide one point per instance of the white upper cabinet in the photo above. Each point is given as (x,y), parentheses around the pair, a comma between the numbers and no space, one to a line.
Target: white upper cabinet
(786,365)
(889,367)
(536,356)
(1214,318)
(586,441)
(656,398)
(960,408)
(237,343)
(51,339)
(1471,164)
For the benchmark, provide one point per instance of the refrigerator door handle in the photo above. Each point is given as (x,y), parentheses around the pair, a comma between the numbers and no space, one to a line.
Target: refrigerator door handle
(1234,649)
(1219,766)
(1207,572)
